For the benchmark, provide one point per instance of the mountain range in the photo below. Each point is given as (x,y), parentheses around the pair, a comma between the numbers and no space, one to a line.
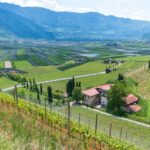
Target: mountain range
(41,23)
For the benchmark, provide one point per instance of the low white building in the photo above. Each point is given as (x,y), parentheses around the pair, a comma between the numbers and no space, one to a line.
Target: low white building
(97,95)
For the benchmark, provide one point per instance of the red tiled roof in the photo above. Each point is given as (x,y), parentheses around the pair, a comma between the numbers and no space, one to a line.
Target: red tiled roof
(135,108)
(91,92)
(130,99)
(105,87)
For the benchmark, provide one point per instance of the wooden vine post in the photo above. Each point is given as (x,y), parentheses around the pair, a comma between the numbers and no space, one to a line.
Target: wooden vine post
(45,111)
(96,123)
(68,100)
(79,118)
(16,95)
(16,98)
(120,132)
(110,128)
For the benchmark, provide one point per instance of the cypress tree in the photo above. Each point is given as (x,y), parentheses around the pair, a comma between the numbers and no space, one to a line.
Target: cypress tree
(149,65)
(69,88)
(31,87)
(34,86)
(50,96)
(79,84)
(38,96)
(41,89)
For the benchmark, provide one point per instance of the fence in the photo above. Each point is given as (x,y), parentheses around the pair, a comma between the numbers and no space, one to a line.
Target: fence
(111,129)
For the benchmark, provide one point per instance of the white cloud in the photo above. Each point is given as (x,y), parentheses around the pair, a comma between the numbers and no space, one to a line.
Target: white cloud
(50,4)
(135,9)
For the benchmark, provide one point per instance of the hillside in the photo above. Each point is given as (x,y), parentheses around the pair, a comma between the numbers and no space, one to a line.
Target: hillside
(26,123)
(17,26)
(146,37)
(81,26)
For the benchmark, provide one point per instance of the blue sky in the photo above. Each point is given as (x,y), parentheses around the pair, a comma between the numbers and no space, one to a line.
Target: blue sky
(136,9)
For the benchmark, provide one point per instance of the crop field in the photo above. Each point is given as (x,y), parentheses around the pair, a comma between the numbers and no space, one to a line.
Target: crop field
(22,65)
(52,72)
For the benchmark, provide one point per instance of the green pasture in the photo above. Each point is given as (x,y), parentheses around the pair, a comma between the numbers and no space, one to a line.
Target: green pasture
(87,82)
(4,83)
(1,64)
(22,65)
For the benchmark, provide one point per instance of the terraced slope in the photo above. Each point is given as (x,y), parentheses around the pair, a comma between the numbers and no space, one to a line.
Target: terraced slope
(142,77)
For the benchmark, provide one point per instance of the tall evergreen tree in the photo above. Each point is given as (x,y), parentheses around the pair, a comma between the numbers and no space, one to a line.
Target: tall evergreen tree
(149,64)
(70,87)
(31,87)
(79,84)
(41,89)
(50,96)
(38,97)
(34,86)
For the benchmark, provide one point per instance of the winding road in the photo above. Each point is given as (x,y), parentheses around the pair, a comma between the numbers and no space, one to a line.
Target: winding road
(57,80)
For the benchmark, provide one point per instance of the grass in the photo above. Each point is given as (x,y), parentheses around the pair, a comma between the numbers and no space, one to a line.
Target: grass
(136,134)
(131,64)
(16,133)
(1,64)
(87,82)
(22,65)
(144,114)
(51,72)
(145,58)
(4,83)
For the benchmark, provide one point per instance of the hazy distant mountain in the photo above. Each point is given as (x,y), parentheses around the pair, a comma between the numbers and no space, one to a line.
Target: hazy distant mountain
(68,25)
(12,25)
(146,36)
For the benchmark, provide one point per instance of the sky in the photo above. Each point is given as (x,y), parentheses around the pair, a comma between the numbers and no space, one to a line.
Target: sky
(135,9)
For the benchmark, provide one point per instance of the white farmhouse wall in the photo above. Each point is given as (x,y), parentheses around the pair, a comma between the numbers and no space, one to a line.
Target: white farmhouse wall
(104,101)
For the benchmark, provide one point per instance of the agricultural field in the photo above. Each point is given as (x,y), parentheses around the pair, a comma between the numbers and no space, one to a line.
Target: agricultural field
(87,82)
(1,64)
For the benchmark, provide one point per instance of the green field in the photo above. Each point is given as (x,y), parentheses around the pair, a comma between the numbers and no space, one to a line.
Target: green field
(1,64)
(87,82)
(51,72)
(22,65)
(4,83)
(130,132)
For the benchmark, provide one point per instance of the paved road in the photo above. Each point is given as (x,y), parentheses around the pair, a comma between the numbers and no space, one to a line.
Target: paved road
(60,79)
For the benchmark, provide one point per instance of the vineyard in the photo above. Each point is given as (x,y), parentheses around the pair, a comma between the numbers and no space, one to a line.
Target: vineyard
(142,77)
(32,127)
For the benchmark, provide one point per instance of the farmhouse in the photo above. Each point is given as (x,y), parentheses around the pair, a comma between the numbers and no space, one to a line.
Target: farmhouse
(130,104)
(98,96)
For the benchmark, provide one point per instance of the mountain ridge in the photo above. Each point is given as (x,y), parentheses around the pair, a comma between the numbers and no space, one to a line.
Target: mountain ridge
(80,26)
